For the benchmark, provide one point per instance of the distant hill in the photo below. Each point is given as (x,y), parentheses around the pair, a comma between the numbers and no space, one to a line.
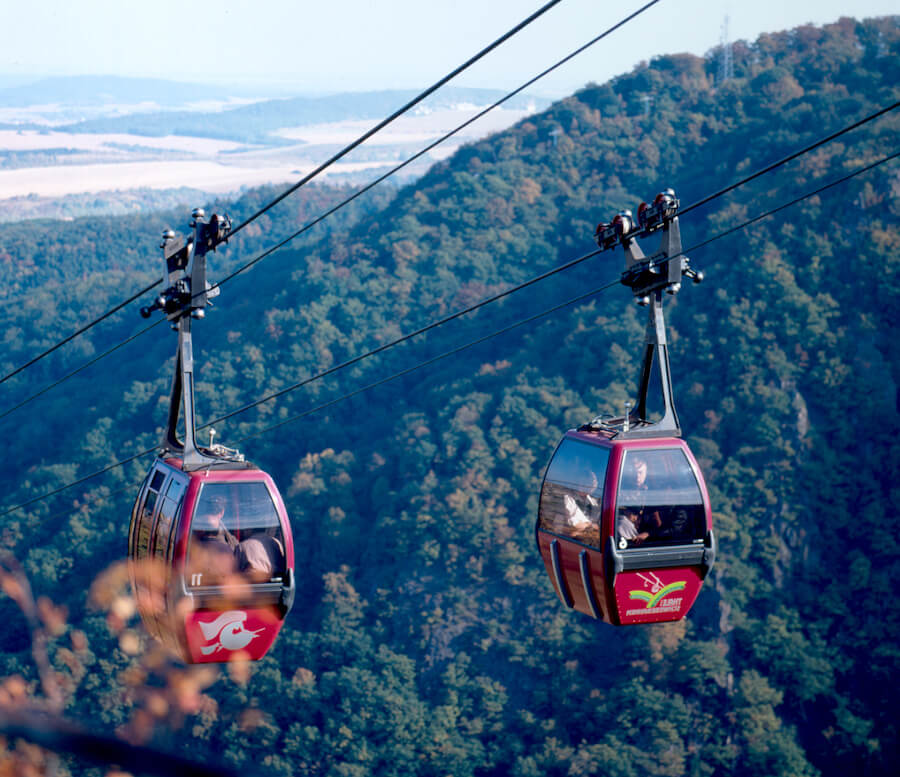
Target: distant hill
(253,123)
(101,90)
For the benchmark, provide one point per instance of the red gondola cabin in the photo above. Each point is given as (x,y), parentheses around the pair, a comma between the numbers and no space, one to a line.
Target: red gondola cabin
(210,552)
(625,527)
(624,524)
(212,560)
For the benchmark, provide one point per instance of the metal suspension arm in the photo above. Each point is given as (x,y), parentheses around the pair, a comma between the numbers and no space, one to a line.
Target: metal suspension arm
(657,350)
(182,399)
(185,299)
(648,277)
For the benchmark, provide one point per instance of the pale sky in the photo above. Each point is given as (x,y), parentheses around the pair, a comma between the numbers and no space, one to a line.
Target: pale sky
(344,45)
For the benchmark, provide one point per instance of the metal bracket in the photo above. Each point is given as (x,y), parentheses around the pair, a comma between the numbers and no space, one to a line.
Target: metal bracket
(657,350)
(186,298)
(181,401)
(189,292)
(647,277)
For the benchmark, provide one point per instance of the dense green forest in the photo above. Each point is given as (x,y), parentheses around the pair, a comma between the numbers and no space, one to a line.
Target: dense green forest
(425,638)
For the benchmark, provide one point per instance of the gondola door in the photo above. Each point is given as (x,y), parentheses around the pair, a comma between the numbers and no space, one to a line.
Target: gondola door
(151,539)
(570,528)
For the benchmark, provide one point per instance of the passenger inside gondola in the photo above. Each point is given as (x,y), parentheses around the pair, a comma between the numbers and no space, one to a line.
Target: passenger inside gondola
(628,528)
(212,554)
(260,558)
(659,492)
(235,531)
(572,496)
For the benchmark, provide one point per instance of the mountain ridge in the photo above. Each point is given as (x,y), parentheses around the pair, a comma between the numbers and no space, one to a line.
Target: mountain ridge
(426,637)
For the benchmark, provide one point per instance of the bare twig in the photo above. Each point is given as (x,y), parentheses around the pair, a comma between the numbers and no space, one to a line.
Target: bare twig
(59,735)
(14,583)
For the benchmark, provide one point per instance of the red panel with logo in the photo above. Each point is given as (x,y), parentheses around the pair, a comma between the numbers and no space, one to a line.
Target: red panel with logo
(653,595)
(215,636)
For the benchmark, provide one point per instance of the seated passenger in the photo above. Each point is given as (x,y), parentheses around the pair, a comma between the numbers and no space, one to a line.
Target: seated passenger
(260,558)
(209,523)
(212,553)
(627,528)
(580,504)
(575,517)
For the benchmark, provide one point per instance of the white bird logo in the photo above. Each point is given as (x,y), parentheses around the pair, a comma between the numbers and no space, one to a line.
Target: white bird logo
(229,627)
(655,584)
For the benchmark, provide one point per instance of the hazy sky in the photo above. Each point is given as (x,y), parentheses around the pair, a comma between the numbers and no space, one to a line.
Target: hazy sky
(338,45)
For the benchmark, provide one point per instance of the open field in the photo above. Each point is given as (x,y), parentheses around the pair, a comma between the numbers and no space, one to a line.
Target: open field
(35,140)
(419,128)
(50,163)
(208,176)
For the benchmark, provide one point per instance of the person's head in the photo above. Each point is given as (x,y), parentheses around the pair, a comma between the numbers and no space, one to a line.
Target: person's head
(210,512)
(640,470)
(632,516)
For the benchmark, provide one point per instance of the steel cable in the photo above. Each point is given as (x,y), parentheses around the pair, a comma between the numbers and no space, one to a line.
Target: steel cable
(399,112)
(383,177)
(365,136)
(609,285)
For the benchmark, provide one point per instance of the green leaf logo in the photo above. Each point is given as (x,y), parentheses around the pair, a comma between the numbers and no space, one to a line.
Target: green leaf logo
(653,599)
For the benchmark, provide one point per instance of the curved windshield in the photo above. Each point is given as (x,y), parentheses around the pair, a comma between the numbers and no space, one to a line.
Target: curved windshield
(572,496)
(236,536)
(659,500)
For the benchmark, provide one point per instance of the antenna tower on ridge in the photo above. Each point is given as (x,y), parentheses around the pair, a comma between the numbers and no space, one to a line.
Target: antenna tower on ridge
(726,63)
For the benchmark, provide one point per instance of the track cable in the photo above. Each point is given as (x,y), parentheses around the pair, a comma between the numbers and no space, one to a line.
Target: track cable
(365,136)
(399,112)
(271,250)
(575,300)
(243,268)
(703,201)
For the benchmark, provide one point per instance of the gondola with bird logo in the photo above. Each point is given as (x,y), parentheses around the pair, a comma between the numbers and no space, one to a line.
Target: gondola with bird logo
(210,551)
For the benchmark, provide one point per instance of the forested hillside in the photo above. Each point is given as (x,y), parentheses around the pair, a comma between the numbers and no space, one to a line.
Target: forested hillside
(425,638)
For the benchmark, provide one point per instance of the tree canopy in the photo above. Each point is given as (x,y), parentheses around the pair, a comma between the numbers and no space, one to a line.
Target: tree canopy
(425,638)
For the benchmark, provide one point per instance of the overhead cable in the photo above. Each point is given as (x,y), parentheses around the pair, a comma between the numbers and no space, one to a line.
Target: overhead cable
(432,360)
(347,201)
(435,143)
(243,268)
(365,136)
(381,178)
(409,335)
(81,480)
(574,300)
(611,284)
(790,157)
(83,367)
(81,331)
(796,200)
(396,114)
(536,279)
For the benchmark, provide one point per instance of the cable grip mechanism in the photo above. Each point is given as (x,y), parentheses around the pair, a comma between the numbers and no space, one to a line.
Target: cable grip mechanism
(648,277)
(662,270)
(189,291)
